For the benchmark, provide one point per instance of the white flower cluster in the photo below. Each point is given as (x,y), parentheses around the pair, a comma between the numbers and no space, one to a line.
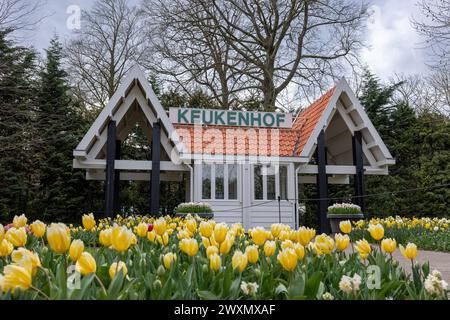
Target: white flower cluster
(249,288)
(327,296)
(349,284)
(344,206)
(434,283)
(192,204)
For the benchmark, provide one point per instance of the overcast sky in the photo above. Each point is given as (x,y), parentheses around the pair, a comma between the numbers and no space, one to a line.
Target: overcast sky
(393,44)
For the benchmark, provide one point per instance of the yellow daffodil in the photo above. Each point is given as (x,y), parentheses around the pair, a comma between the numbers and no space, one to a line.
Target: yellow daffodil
(58,237)
(189,246)
(220,232)
(114,268)
(121,238)
(88,221)
(345,226)
(20,221)
(376,231)
(18,237)
(86,264)
(38,228)
(269,248)
(364,248)
(239,261)
(288,259)
(388,245)
(342,241)
(410,251)
(215,262)
(76,249)
(168,260)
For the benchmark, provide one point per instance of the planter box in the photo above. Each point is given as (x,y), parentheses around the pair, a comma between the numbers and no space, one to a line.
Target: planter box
(335,219)
(201,215)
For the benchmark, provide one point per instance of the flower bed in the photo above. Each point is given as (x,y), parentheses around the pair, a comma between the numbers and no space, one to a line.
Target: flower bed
(175,258)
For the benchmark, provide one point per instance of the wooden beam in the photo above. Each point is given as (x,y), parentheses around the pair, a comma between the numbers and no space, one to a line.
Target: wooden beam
(134,176)
(339,179)
(110,159)
(337,169)
(155,180)
(131,165)
(117,179)
(358,162)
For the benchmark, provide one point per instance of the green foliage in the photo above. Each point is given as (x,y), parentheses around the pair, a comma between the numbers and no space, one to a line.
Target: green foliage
(193,208)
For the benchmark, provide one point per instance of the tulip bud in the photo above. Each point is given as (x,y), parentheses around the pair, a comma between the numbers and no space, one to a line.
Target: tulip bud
(157,285)
(76,249)
(88,221)
(160,271)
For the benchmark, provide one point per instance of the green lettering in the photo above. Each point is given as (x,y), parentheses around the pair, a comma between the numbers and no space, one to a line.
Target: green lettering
(231,118)
(195,114)
(243,118)
(182,115)
(280,118)
(270,117)
(219,115)
(256,117)
(210,120)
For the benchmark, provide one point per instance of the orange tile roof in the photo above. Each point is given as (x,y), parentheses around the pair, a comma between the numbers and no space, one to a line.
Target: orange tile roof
(251,141)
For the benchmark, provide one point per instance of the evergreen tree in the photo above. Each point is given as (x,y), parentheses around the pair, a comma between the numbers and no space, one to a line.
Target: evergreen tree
(17,89)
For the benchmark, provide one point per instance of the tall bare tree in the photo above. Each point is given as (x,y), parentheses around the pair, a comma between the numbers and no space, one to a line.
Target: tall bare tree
(18,15)
(188,54)
(284,42)
(434,26)
(105,48)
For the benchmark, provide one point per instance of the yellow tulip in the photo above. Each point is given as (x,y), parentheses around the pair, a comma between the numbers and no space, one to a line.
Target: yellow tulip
(58,237)
(239,260)
(142,230)
(86,264)
(168,260)
(114,268)
(211,250)
(2,233)
(121,238)
(252,254)
(237,229)
(410,252)
(269,248)
(287,244)
(133,239)
(345,226)
(288,259)
(17,276)
(76,249)
(276,228)
(299,250)
(342,241)
(18,237)
(388,245)
(323,244)
(191,225)
(220,232)
(160,226)
(364,248)
(88,221)
(284,235)
(215,262)
(38,228)
(164,239)
(305,235)
(206,242)
(19,221)
(18,255)
(225,246)
(259,235)
(105,237)
(189,246)
(151,236)
(376,231)
(206,229)
(6,248)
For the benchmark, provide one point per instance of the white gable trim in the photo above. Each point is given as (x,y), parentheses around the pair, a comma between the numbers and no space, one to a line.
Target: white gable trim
(333,106)
(135,87)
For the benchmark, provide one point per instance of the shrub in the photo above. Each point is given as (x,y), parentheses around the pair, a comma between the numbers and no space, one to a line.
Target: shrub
(193,207)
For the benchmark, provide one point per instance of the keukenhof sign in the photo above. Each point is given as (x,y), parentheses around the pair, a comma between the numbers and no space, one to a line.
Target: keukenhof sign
(230,118)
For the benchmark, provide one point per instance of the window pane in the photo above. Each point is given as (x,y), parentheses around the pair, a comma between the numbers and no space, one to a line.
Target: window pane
(220,193)
(258,183)
(232,181)
(271,186)
(206,181)
(283,182)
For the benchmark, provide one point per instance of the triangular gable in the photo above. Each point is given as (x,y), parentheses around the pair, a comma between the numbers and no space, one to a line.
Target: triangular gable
(343,100)
(134,91)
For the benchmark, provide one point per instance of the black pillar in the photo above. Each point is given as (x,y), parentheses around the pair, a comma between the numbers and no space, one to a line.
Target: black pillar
(155,176)
(322,183)
(359,165)
(110,175)
(117,179)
